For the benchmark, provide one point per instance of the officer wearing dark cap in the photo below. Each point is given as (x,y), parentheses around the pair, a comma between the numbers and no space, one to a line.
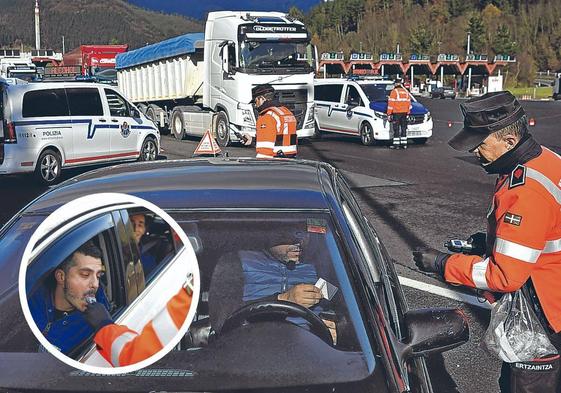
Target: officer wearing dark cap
(275,134)
(522,246)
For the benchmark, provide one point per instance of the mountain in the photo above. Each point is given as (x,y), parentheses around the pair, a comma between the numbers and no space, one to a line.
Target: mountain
(87,22)
(198,9)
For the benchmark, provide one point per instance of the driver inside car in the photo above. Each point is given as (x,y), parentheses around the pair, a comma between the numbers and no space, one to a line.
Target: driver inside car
(276,272)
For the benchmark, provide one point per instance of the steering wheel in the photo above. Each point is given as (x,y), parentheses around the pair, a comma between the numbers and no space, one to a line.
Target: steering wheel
(267,309)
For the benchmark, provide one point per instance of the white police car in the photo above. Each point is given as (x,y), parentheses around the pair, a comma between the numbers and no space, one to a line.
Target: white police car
(358,107)
(47,126)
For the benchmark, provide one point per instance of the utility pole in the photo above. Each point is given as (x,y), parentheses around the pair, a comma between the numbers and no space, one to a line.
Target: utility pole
(397,50)
(63,51)
(468,46)
(37,27)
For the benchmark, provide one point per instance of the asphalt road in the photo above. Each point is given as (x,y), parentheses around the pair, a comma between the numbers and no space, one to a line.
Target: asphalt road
(422,196)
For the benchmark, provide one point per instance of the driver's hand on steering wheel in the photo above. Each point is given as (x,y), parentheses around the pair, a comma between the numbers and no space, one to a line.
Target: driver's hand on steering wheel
(305,295)
(332,329)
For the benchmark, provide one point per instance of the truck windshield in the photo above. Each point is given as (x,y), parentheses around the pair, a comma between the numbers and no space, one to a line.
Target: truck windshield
(277,56)
(377,92)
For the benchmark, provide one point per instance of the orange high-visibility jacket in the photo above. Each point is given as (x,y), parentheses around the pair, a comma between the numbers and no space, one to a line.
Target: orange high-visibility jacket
(399,101)
(525,234)
(276,132)
(122,346)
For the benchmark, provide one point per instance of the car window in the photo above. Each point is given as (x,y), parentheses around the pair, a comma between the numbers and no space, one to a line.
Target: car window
(377,92)
(331,92)
(118,106)
(353,96)
(43,103)
(84,102)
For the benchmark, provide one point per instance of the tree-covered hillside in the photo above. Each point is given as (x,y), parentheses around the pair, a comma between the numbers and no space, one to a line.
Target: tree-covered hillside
(528,29)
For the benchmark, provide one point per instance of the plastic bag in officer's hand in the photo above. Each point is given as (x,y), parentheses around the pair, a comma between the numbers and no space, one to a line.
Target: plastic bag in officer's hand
(515,334)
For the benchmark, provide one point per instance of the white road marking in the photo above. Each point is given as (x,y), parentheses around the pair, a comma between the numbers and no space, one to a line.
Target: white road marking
(450,294)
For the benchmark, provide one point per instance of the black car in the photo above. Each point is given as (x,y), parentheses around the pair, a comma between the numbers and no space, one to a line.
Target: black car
(443,92)
(225,206)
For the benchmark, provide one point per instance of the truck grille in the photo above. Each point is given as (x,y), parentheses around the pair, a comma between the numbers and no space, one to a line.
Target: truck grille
(296,101)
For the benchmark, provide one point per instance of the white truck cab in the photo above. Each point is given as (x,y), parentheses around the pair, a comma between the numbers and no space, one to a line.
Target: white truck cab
(358,107)
(45,127)
(198,82)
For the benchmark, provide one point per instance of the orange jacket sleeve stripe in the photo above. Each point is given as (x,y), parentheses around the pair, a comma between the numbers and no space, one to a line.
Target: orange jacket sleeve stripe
(122,346)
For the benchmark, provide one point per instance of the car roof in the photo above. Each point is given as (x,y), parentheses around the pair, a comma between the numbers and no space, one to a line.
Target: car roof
(51,85)
(367,81)
(204,183)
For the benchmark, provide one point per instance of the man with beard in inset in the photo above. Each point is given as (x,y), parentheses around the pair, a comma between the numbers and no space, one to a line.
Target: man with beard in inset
(57,308)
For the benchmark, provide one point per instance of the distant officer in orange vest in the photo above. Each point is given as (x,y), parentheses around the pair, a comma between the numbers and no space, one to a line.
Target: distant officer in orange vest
(399,107)
(275,134)
(522,247)
(122,346)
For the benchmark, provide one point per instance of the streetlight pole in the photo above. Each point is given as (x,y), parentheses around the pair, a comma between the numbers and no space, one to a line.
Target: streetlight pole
(397,51)
(469,68)
(468,46)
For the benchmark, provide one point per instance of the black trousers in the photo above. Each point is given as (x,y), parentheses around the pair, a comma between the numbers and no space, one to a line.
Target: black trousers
(399,124)
(541,376)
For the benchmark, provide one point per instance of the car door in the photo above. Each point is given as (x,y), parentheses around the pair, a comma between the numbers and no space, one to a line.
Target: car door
(123,136)
(352,105)
(327,98)
(393,306)
(90,135)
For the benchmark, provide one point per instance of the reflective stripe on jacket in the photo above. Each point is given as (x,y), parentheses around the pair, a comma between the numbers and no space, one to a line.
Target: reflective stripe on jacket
(276,132)
(122,346)
(523,237)
(399,101)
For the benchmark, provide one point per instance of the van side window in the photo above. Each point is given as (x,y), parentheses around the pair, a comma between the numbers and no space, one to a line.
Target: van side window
(118,106)
(331,93)
(43,103)
(84,102)
(353,97)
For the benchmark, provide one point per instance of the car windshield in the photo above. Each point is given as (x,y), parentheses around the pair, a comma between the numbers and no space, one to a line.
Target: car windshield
(288,56)
(377,92)
(246,258)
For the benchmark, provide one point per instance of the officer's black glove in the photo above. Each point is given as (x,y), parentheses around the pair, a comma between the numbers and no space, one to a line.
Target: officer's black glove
(479,243)
(430,260)
(97,316)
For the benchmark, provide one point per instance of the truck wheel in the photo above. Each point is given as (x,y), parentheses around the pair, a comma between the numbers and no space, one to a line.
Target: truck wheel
(317,132)
(177,125)
(49,166)
(149,150)
(222,130)
(366,134)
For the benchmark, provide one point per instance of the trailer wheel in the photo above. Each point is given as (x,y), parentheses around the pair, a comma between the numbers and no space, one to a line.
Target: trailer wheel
(177,126)
(222,130)
(48,167)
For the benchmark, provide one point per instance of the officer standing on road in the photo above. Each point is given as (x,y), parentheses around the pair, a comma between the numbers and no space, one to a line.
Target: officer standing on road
(523,241)
(399,107)
(275,134)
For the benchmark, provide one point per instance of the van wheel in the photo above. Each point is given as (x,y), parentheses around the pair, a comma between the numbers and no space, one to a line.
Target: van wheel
(177,125)
(420,141)
(366,134)
(149,151)
(48,167)
(222,130)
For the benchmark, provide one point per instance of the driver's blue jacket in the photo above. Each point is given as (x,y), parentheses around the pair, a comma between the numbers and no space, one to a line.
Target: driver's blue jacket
(65,333)
(265,276)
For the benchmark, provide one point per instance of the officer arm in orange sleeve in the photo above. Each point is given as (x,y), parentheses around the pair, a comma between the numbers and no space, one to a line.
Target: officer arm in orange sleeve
(521,235)
(122,346)
(265,135)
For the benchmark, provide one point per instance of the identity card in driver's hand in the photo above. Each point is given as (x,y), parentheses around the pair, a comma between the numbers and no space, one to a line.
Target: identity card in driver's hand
(327,289)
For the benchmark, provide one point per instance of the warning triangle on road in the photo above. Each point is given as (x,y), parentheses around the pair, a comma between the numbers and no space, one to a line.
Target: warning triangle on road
(207,145)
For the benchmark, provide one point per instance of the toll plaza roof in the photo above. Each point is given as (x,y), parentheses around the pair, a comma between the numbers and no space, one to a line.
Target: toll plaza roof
(181,45)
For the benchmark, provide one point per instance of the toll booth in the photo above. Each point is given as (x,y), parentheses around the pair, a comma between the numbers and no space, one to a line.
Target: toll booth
(333,63)
(362,63)
(391,64)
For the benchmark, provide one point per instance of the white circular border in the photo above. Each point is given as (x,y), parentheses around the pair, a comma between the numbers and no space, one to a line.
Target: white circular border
(87,201)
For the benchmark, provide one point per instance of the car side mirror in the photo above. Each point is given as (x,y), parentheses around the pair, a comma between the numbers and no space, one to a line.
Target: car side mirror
(135,113)
(433,330)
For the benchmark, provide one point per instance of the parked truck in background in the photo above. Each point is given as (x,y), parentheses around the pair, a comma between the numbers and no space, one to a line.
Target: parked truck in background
(198,81)
(93,58)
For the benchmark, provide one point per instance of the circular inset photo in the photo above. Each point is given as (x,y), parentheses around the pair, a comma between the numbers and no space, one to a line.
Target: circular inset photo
(109,283)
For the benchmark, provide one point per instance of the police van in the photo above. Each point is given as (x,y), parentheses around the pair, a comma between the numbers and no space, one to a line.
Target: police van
(358,106)
(47,126)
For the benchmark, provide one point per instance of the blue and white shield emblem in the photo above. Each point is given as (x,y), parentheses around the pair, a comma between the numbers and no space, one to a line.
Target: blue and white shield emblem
(125,129)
